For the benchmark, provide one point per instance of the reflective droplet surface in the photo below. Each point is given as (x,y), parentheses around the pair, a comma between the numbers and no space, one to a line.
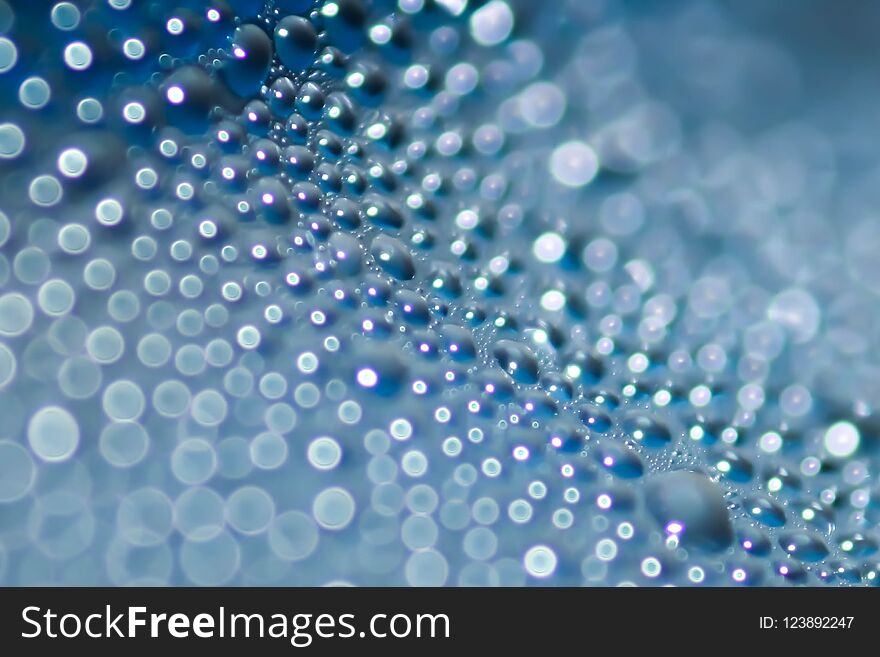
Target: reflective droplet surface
(689,505)
(517,360)
(412,293)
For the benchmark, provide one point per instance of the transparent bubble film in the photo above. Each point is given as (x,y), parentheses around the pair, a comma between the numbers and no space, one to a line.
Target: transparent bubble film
(438,292)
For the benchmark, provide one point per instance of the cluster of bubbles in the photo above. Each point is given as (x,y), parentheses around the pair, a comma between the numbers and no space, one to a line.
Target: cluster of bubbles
(420,292)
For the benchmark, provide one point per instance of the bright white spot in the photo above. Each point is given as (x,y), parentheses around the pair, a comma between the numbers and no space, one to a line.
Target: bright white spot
(367,378)
(540,561)
(552,300)
(770,442)
(549,247)
(78,56)
(175,95)
(492,23)
(454,7)
(574,164)
(842,439)
(72,163)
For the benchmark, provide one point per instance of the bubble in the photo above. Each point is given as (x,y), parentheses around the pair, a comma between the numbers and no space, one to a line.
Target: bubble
(537,490)
(333,508)
(492,23)
(563,518)
(124,444)
(295,42)
(12,141)
(133,49)
(53,434)
(17,472)
(542,104)
(64,528)
(105,345)
(517,361)
(171,398)
(765,510)
(382,242)
(693,501)
(154,350)
(414,463)
(770,442)
(574,164)
(549,247)
(307,362)
(157,283)
(520,511)
(647,430)
(193,461)
(234,461)
(426,568)
(89,110)
(65,16)
(350,412)
(462,78)
(79,378)
(796,400)
(212,562)
(74,239)
(273,385)
(797,311)
(393,257)
(480,543)
(842,439)
(8,365)
(540,561)
(307,395)
(144,248)
(606,549)
(268,451)
(199,514)
(712,358)
(250,510)
(134,113)
(419,532)
(651,567)
(803,546)
(129,565)
(280,418)
(99,274)
(31,265)
(600,255)
(55,297)
(293,536)
(144,517)
(209,408)
(251,56)
(8,55)
(45,191)
(190,361)
(324,453)
(367,377)
(34,93)
(123,400)
(249,337)
(78,56)
(421,498)
(382,469)
(175,95)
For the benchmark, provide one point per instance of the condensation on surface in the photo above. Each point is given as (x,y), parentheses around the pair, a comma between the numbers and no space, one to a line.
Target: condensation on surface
(430,293)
